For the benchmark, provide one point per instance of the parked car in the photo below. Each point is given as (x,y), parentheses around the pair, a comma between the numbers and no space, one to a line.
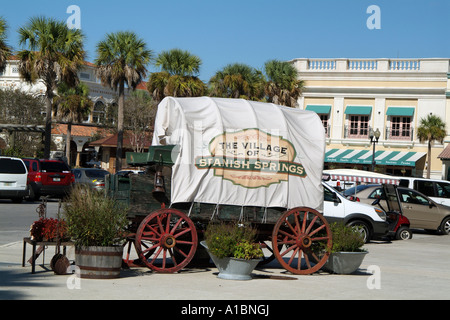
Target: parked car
(422,211)
(127,172)
(437,190)
(48,178)
(369,220)
(13,179)
(92,177)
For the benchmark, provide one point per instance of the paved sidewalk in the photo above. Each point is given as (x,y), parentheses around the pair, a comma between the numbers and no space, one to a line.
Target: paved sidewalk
(411,269)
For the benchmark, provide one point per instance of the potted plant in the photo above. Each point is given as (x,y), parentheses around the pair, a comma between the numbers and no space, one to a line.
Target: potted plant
(97,224)
(233,249)
(347,252)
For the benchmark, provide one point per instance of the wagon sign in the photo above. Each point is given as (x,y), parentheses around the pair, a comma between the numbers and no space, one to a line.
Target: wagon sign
(251,158)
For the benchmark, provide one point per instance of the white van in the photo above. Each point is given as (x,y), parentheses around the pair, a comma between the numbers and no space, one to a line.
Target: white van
(370,221)
(13,179)
(436,190)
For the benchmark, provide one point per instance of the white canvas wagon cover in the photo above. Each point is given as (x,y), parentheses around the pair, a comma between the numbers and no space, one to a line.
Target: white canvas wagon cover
(239,152)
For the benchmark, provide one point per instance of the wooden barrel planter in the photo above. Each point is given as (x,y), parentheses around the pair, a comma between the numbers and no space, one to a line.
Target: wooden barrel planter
(99,262)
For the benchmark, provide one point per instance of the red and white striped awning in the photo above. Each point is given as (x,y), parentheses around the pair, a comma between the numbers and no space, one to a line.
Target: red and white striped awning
(359,176)
(375,180)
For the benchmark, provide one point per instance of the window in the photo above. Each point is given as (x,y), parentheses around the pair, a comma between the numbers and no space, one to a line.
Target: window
(12,166)
(99,114)
(400,128)
(53,166)
(96,173)
(324,119)
(425,187)
(443,189)
(409,196)
(85,76)
(377,193)
(359,127)
(328,195)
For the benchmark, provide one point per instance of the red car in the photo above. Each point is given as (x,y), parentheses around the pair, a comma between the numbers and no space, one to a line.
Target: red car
(48,178)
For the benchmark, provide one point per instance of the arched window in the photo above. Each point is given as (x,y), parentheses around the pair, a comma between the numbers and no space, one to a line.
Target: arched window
(99,113)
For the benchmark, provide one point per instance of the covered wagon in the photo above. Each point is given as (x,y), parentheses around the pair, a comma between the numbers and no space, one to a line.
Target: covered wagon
(231,160)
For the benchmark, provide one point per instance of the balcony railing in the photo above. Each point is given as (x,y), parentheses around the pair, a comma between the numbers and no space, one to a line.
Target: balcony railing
(356,132)
(425,65)
(400,134)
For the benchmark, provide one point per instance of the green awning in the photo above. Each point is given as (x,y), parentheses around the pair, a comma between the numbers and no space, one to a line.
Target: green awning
(365,111)
(319,109)
(391,158)
(398,111)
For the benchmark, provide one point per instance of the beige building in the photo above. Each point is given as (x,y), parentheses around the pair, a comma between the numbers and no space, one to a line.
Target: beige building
(355,97)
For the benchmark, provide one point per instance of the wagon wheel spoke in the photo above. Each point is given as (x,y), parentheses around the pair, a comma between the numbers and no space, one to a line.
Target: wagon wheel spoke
(290,248)
(166,240)
(307,237)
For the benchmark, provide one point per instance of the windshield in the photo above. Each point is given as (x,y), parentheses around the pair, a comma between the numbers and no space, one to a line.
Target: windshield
(357,189)
(96,173)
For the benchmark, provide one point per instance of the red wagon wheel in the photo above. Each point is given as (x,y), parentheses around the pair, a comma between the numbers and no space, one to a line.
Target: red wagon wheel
(166,240)
(301,240)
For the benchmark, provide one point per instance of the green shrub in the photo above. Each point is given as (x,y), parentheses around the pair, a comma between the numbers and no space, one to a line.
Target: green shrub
(232,240)
(94,219)
(346,238)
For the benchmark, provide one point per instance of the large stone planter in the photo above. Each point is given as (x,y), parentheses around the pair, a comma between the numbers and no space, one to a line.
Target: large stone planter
(344,262)
(232,268)
(99,262)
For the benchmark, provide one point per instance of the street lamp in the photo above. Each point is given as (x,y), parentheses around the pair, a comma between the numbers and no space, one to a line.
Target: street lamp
(374,136)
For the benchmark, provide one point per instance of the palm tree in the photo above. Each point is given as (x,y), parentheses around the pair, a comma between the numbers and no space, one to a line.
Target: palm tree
(238,81)
(178,76)
(430,129)
(122,58)
(5,50)
(179,62)
(54,54)
(283,86)
(73,104)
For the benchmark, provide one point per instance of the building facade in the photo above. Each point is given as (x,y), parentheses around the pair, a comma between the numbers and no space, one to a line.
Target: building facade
(357,97)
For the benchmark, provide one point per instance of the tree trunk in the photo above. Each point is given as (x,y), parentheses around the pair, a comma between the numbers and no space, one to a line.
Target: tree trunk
(120,126)
(68,139)
(48,123)
(429,160)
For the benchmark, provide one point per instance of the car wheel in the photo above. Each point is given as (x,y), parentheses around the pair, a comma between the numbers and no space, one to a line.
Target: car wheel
(32,196)
(445,226)
(403,233)
(363,228)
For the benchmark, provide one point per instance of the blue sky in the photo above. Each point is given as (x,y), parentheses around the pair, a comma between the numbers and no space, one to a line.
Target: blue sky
(221,32)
